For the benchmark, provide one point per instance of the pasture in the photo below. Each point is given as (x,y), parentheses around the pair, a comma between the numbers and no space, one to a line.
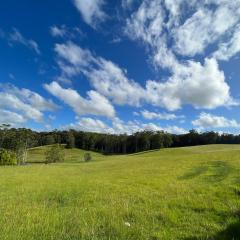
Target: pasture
(182,193)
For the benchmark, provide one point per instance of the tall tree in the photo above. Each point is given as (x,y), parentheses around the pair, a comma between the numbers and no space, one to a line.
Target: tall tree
(70,140)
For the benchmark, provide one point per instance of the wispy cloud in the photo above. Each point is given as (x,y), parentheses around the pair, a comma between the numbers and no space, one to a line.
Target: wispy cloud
(91,11)
(63,31)
(16,37)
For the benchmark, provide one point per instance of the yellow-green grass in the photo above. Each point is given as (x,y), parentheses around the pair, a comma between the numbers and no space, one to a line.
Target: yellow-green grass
(182,193)
(37,155)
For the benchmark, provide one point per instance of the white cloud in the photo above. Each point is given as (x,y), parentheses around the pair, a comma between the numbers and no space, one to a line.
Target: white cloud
(118,126)
(8,101)
(111,81)
(94,104)
(183,27)
(127,4)
(121,127)
(200,85)
(169,129)
(12,118)
(91,125)
(205,26)
(58,31)
(175,130)
(29,97)
(75,58)
(91,11)
(147,25)
(105,76)
(136,114)
(190,27)
(207,120)
(229,49)
(17,37)
(163,116)
(27,105)
(147,22)
(63,31)
(34,99)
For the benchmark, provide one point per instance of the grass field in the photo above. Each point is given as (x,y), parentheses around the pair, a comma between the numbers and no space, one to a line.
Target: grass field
(184,193)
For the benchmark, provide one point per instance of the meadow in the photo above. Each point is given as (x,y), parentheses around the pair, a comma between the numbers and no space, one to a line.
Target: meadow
(179,193)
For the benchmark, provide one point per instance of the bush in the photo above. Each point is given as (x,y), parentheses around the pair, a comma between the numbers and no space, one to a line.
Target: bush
(87,157)
(7,158)
(55,154)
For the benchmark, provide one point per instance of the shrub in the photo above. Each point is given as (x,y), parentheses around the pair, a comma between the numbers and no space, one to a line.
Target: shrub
(7,158)
(55,154)
(87,157)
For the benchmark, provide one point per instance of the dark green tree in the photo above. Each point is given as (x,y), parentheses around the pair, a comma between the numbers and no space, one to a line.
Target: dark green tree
(70,140)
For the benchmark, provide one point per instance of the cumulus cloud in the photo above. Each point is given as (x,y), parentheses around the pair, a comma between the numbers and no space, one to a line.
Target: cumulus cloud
(16,37)
(91,125)
(169,129)
(118,126)
(207,120)
(200,85)
(91,11)
(163,116)
(173,28)
(24,104)
(94,104)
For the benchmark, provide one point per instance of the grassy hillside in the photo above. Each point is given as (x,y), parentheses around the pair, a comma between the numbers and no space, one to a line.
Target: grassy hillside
(37,155)
(184,193)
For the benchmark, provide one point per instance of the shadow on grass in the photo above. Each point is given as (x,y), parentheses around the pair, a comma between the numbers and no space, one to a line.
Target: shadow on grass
(232,232)
(195,172)
(143,152)
(214,171)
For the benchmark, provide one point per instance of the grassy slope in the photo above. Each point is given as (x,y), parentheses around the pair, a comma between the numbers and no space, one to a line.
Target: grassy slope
(185,193)
(37,155)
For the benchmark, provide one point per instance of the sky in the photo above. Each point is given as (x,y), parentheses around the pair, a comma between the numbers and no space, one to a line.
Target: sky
(120,66)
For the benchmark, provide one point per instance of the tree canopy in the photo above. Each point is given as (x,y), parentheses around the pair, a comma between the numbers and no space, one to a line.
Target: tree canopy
(14,138)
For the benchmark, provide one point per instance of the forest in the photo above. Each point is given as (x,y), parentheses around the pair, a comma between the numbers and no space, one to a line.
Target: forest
(18,138)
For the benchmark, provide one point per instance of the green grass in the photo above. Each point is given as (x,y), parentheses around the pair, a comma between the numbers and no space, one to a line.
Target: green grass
(37,155)
(184,193)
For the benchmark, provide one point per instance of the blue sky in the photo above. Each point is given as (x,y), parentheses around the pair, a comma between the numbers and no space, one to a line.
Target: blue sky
(120,66)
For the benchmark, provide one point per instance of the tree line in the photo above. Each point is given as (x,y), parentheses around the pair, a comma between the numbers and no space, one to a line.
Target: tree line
(19,139)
